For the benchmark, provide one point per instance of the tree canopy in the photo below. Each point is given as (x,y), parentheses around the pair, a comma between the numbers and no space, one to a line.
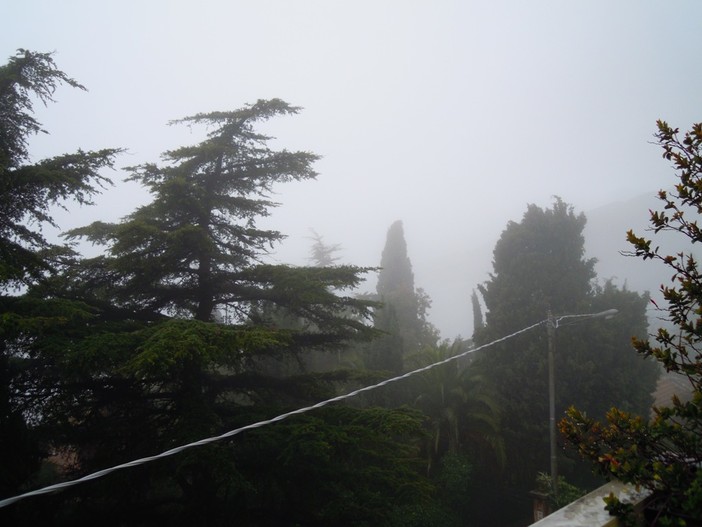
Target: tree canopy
(540,265)
(28,191)
(172,334)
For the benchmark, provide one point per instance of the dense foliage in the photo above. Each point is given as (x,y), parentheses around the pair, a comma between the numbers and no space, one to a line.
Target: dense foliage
(173,334)
(663,454)
(463,416)
(27,193)
(540,265)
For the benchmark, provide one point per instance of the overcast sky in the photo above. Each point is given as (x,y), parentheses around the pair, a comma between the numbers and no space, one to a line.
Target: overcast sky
(449,115)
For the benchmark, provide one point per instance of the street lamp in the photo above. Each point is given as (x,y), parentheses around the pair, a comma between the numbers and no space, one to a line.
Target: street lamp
(551,324)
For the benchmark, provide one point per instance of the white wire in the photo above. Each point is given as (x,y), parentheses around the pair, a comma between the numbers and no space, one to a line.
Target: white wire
(95,475)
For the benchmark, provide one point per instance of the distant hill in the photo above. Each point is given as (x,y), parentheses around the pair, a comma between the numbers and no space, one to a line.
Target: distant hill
(605,239)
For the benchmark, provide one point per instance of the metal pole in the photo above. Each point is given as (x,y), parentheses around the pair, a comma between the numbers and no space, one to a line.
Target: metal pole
(551,325)
(551,329)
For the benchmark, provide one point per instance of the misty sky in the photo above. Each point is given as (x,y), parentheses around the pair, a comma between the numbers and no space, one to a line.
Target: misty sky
(448,115)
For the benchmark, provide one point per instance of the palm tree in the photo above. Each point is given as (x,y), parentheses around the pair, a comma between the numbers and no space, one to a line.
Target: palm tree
(463,416)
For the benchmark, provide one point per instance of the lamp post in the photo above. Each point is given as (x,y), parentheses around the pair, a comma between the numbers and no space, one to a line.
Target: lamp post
(551,324)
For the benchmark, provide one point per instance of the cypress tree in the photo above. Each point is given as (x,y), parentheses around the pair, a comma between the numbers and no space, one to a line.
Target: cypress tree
(540,265)
(477,312)
(403,314)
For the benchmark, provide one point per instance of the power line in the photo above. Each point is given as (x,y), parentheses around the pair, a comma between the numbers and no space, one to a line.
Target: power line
(259,424)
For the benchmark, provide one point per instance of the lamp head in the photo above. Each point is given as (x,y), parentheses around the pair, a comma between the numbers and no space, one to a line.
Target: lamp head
(608,314)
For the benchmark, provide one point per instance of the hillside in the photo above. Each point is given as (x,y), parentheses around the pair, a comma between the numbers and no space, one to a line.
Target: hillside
(605,239)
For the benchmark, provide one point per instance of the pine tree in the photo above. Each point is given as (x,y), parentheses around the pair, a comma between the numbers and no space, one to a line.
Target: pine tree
(172,335)
(192,253)
(323,254)
(28,192)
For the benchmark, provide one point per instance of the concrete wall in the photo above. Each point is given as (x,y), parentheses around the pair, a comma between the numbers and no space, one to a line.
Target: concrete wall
(589,510)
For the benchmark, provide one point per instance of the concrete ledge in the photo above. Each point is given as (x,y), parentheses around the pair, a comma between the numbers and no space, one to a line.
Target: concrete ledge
(589,510)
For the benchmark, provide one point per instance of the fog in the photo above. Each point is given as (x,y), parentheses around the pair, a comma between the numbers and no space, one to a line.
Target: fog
(449,115)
